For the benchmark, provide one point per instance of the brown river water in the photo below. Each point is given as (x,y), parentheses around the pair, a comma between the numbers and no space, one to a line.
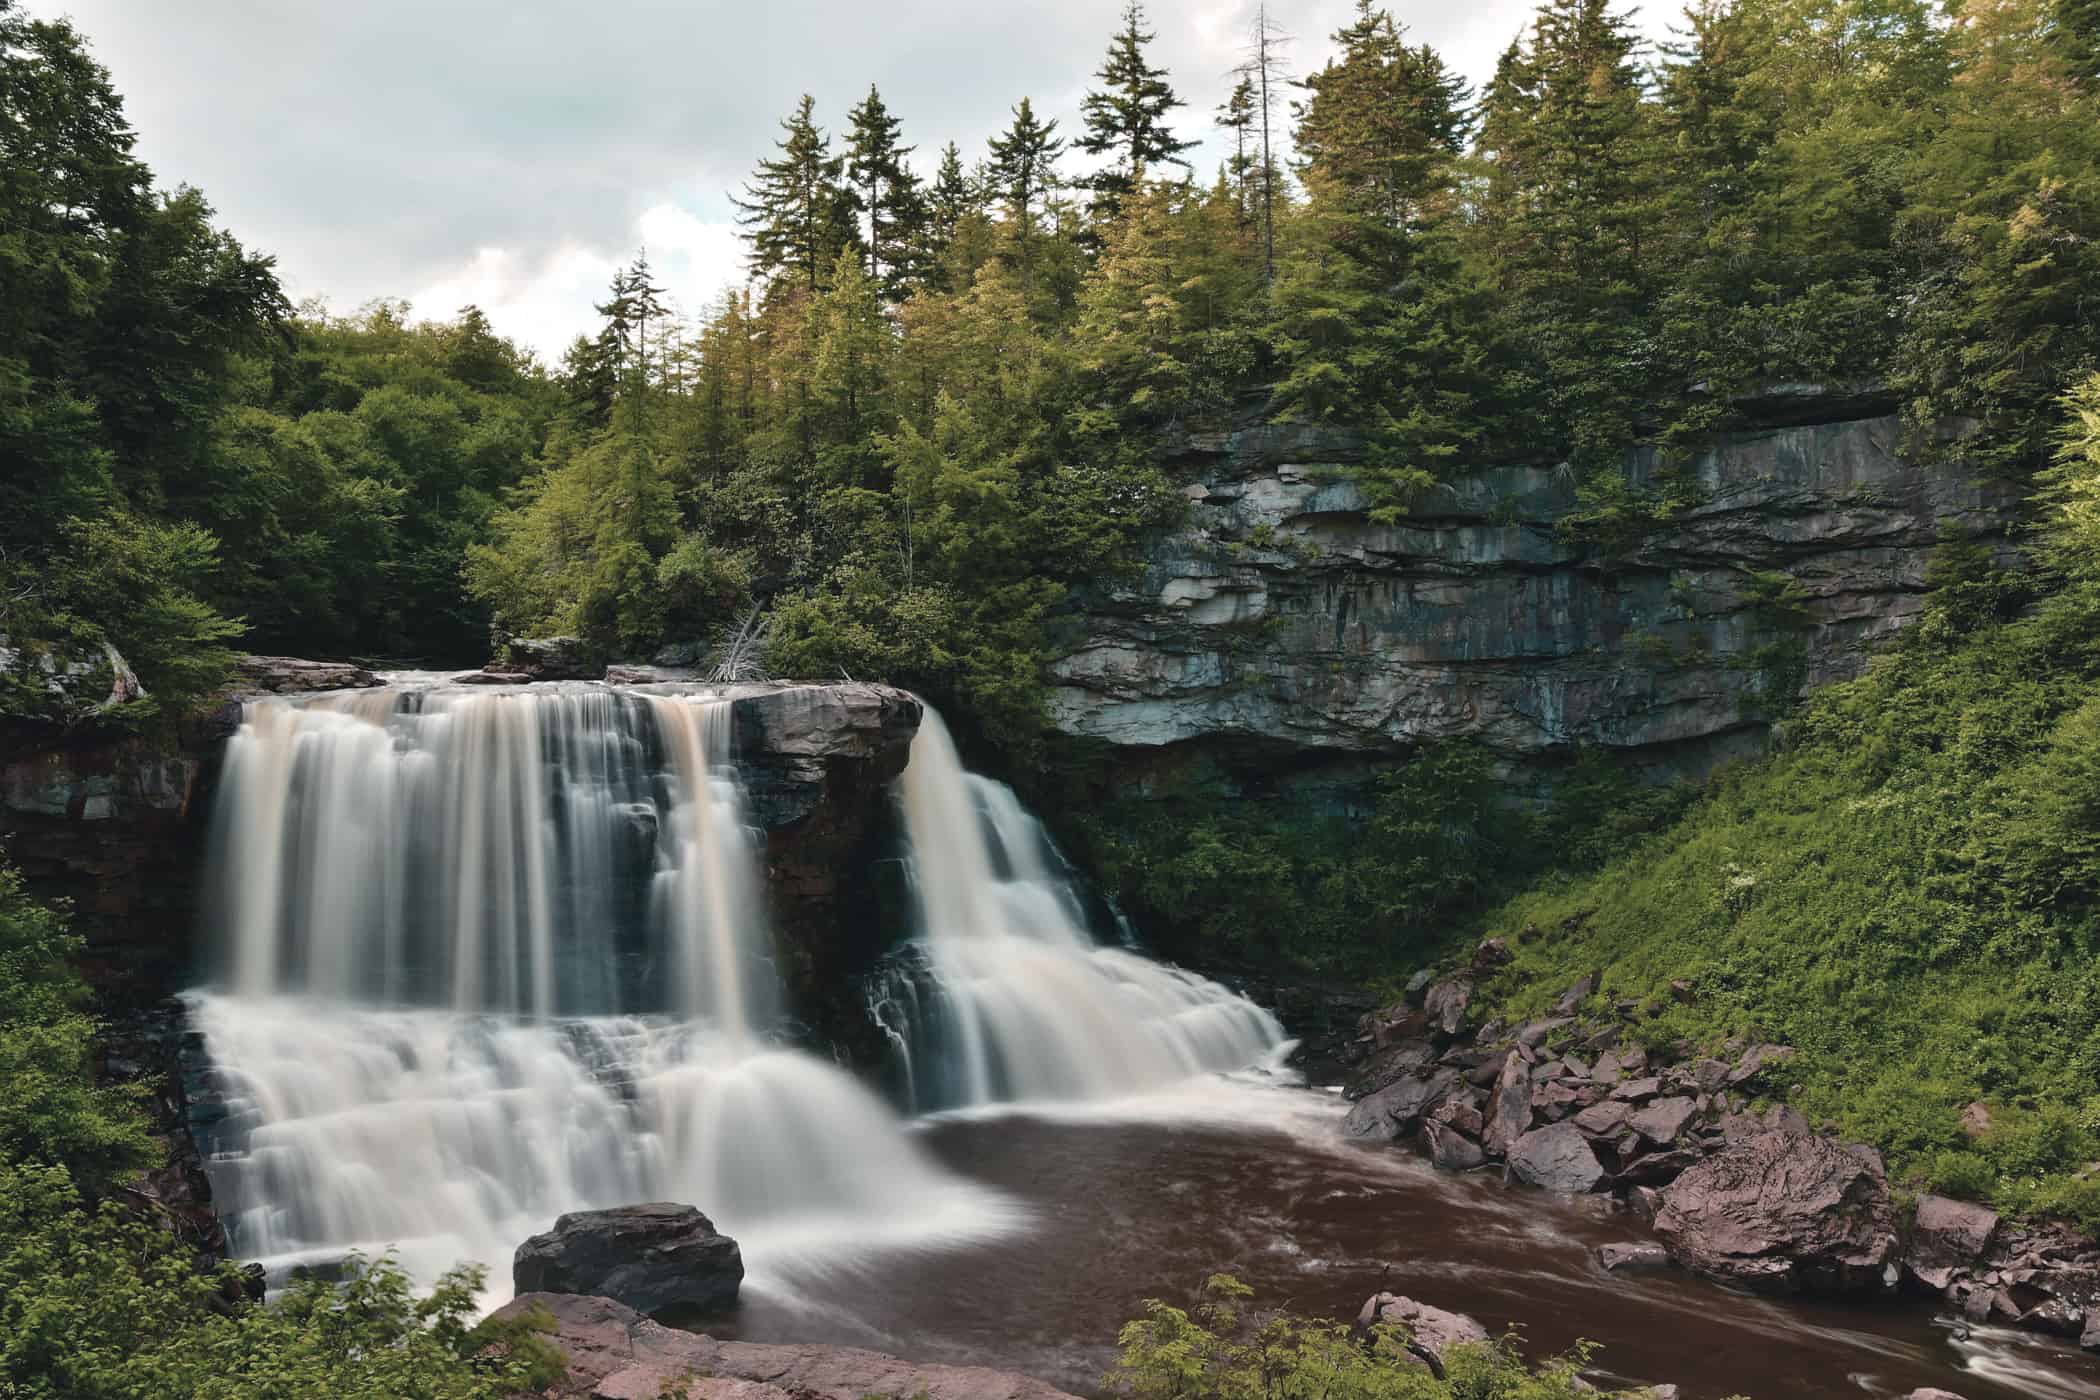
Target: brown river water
(1255,1182)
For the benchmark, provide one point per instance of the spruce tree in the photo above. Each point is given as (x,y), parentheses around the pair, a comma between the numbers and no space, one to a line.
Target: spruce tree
(1022,171)
(1382,124)
(950,197)
(1126,117)
(884,189)
(1236,115)
(796,212)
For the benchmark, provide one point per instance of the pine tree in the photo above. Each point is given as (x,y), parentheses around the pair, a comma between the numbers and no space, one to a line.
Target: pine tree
(2078,37)
(1382,124)
(948,200)
(796,212)
(1570,212)
(1023,171)
(1264,72)
(1236,115)
(884,189)
(1126,118)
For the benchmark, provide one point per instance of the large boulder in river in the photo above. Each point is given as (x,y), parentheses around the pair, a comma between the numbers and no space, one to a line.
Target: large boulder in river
(614,1353)
(1783,1212)
(1947,1237)
(1558,1157)
(654,1258)
(1429,1332)
(1394,1111)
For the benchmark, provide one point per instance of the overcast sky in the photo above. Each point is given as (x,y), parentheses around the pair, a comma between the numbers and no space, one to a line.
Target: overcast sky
(511,153)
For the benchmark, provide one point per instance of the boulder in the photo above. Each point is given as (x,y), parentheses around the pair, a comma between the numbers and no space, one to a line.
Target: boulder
(1756,1061)
(1395,1111)
(1491,954)
(1536,1033)
(1663,1121)
(1451,1149)
(1558,1157)
(1509,1107)
(1930,1392)
(59,687)
(1446,1004)
(1633,1258)
(1430,1332)
(1603,1120)
(288,675)
(1637,1090)
(1946,1237)
(489,678)
(1576,995)
(653,1258)
(615,1353)
(547,659)
(1783,1212)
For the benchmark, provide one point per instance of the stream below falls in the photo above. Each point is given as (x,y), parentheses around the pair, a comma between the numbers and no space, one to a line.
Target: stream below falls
(1147,1199)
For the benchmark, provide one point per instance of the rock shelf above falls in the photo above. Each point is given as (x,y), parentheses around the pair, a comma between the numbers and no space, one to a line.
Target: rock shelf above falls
(1279,616)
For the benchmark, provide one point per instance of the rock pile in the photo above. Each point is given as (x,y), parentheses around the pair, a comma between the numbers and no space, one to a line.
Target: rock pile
(1752,1197)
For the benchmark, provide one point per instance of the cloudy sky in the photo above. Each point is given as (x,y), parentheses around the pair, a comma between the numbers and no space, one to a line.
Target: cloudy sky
(511,153)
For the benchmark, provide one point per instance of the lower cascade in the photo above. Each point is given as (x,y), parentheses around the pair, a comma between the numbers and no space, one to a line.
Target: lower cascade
(494,954)
(1009,997)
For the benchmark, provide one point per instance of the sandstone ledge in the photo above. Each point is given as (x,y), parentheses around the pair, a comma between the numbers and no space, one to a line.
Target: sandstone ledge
(614,1353)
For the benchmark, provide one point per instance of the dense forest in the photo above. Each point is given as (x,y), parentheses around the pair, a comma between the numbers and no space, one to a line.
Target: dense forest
(934,412)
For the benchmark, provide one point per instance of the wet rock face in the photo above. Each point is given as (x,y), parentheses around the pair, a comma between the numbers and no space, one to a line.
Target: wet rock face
(1279,611)
(658,1258)
(1784,1212)
(615,1353)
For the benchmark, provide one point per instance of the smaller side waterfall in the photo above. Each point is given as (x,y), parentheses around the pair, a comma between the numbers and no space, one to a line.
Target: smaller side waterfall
(1006,996)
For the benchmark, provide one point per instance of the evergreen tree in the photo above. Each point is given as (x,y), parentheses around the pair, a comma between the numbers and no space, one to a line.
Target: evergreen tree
(1023,172)
(1236,115)
(1571,211)
(2077,29)
(1382,124)
(1264,73)
(884,190)
(796,212)
(1126,117)
(949,200)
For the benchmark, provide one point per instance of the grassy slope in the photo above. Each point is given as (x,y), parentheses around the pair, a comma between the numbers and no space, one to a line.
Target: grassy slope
(1907,893)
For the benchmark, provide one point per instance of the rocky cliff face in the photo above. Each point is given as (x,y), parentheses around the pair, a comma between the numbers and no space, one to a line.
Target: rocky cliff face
(1279,613)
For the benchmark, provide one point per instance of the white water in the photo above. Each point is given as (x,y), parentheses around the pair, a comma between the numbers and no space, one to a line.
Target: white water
(1023,1005)
(494,955)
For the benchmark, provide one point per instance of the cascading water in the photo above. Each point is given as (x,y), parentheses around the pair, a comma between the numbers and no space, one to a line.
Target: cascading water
(492,955)
(1006,996)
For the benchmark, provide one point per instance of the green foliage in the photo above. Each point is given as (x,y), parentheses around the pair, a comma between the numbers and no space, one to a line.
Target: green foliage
(1408,861)
(1909,894)
(1221,1350)
(99,1302)
(51,1110)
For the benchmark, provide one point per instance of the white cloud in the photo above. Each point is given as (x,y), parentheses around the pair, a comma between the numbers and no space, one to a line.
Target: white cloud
(544,300)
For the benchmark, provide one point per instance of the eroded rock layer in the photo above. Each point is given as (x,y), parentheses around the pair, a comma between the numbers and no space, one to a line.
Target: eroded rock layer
(1280,612)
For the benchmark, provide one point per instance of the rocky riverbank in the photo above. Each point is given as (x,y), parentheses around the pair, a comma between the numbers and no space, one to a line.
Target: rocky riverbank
(1702,1148)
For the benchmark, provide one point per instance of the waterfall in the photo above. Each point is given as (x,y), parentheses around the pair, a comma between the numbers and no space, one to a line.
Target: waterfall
(488,955)
(1006,996)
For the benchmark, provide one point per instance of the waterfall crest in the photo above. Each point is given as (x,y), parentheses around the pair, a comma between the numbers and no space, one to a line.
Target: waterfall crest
(492,955)
(1011,999)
